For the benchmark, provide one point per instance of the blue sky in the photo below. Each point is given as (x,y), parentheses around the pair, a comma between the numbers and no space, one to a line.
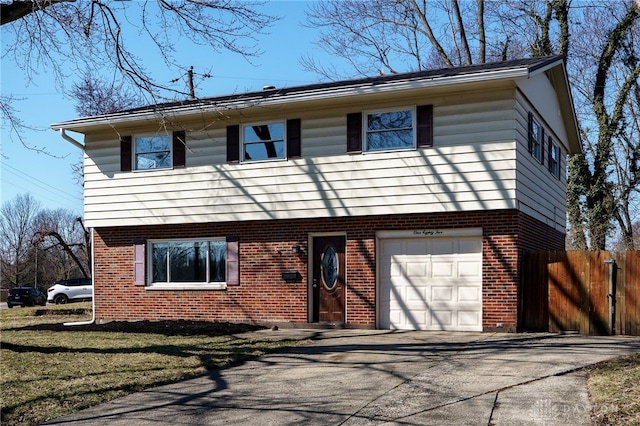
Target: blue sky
(49,178)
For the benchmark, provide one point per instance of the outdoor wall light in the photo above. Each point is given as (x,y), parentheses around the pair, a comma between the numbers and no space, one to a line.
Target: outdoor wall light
(296,248)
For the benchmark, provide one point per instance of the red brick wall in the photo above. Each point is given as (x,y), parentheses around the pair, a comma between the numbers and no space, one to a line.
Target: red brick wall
(265,251)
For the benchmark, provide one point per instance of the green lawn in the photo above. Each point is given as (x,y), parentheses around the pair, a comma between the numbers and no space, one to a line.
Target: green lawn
(48,370)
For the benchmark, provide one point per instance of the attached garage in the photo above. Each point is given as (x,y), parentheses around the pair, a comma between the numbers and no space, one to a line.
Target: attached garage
(430,280)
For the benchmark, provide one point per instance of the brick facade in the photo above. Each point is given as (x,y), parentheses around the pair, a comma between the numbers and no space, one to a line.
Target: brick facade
(263,297)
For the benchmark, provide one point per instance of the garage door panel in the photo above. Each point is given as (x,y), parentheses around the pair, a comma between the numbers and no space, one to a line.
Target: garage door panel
(469,294)
(415,247)
(443,269)
(392,317)
(394,269)
(442,294)
(431,283)
(469,318)
(469,268)
(442,247)
(417,269)
(417,295)
(392,247)
(419,319)
(441,319)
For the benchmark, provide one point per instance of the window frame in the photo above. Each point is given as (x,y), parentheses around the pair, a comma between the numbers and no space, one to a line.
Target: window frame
(134,151)
(284,140)
(366,132)
(168,285)
(554,163)
(537,140)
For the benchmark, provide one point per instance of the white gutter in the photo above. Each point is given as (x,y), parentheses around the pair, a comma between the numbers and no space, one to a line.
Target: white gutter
(93,292)
(69,139)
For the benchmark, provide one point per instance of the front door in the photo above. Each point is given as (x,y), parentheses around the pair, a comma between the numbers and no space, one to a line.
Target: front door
(328,279)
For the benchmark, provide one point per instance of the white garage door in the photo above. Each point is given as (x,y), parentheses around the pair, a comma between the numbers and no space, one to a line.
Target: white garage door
(430,283)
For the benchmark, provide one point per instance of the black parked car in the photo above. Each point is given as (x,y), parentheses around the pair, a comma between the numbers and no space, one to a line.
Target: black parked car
(26,296)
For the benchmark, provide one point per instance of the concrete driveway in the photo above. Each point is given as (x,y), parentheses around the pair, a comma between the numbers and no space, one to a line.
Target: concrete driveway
(357,377)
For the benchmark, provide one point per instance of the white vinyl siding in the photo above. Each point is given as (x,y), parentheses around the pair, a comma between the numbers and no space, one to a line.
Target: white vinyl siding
(472,166)
(329,186)
(540,194)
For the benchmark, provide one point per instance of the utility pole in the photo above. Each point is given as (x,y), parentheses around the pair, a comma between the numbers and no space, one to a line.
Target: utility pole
(192,93)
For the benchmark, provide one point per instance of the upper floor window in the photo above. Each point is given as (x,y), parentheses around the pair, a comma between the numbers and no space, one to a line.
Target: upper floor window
(389,130)
(402,128)
(536,137)
(152,152)
(263,142)
(554,159)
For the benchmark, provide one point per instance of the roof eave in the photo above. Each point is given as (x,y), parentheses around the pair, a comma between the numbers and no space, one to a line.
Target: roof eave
(296,97)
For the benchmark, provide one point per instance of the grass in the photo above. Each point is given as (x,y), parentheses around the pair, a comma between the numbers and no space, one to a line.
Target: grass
(614,389)
(47,370)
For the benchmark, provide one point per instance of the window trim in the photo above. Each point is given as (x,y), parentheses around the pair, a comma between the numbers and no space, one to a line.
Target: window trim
(283,123)
(365,130)
(183,285)
(554,148)
(134,153)
(536,140)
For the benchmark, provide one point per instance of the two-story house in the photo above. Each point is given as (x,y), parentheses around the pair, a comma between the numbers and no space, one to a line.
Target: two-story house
(401,201)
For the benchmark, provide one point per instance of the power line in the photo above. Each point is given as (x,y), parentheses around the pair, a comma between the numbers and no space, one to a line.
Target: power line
(73,198)
(57,201)
(36,181)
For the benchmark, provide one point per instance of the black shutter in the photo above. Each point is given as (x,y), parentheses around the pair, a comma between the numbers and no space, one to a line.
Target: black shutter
(542,147)
(550,154)
(125,153)
(530,132)
(354,132)
(293,138)
(233,144)
(424,116)
(233,261)
(179,148)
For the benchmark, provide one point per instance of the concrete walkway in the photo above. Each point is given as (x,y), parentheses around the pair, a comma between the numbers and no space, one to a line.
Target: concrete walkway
(358,377)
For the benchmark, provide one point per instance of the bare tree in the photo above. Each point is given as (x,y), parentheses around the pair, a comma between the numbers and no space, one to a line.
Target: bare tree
(95,96)
(38,246)
(69,37)
(600,40)
(63,236)
(603,183)
(388,36)
(16,229)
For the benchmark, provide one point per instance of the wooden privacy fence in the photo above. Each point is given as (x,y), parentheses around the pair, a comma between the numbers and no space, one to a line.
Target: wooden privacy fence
(570,291)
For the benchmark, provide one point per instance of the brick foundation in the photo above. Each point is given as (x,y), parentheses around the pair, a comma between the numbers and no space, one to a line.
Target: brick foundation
(263,297)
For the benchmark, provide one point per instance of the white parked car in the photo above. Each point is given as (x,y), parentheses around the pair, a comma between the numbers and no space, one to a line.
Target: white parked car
(71,290)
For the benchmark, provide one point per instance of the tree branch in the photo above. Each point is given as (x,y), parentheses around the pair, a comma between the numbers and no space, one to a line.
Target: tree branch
(463,34)
(15,10)
(65,247)
(429,33)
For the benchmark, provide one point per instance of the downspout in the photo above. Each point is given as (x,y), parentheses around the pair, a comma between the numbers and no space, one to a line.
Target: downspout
(77,144)
(93,292)
(72,141)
